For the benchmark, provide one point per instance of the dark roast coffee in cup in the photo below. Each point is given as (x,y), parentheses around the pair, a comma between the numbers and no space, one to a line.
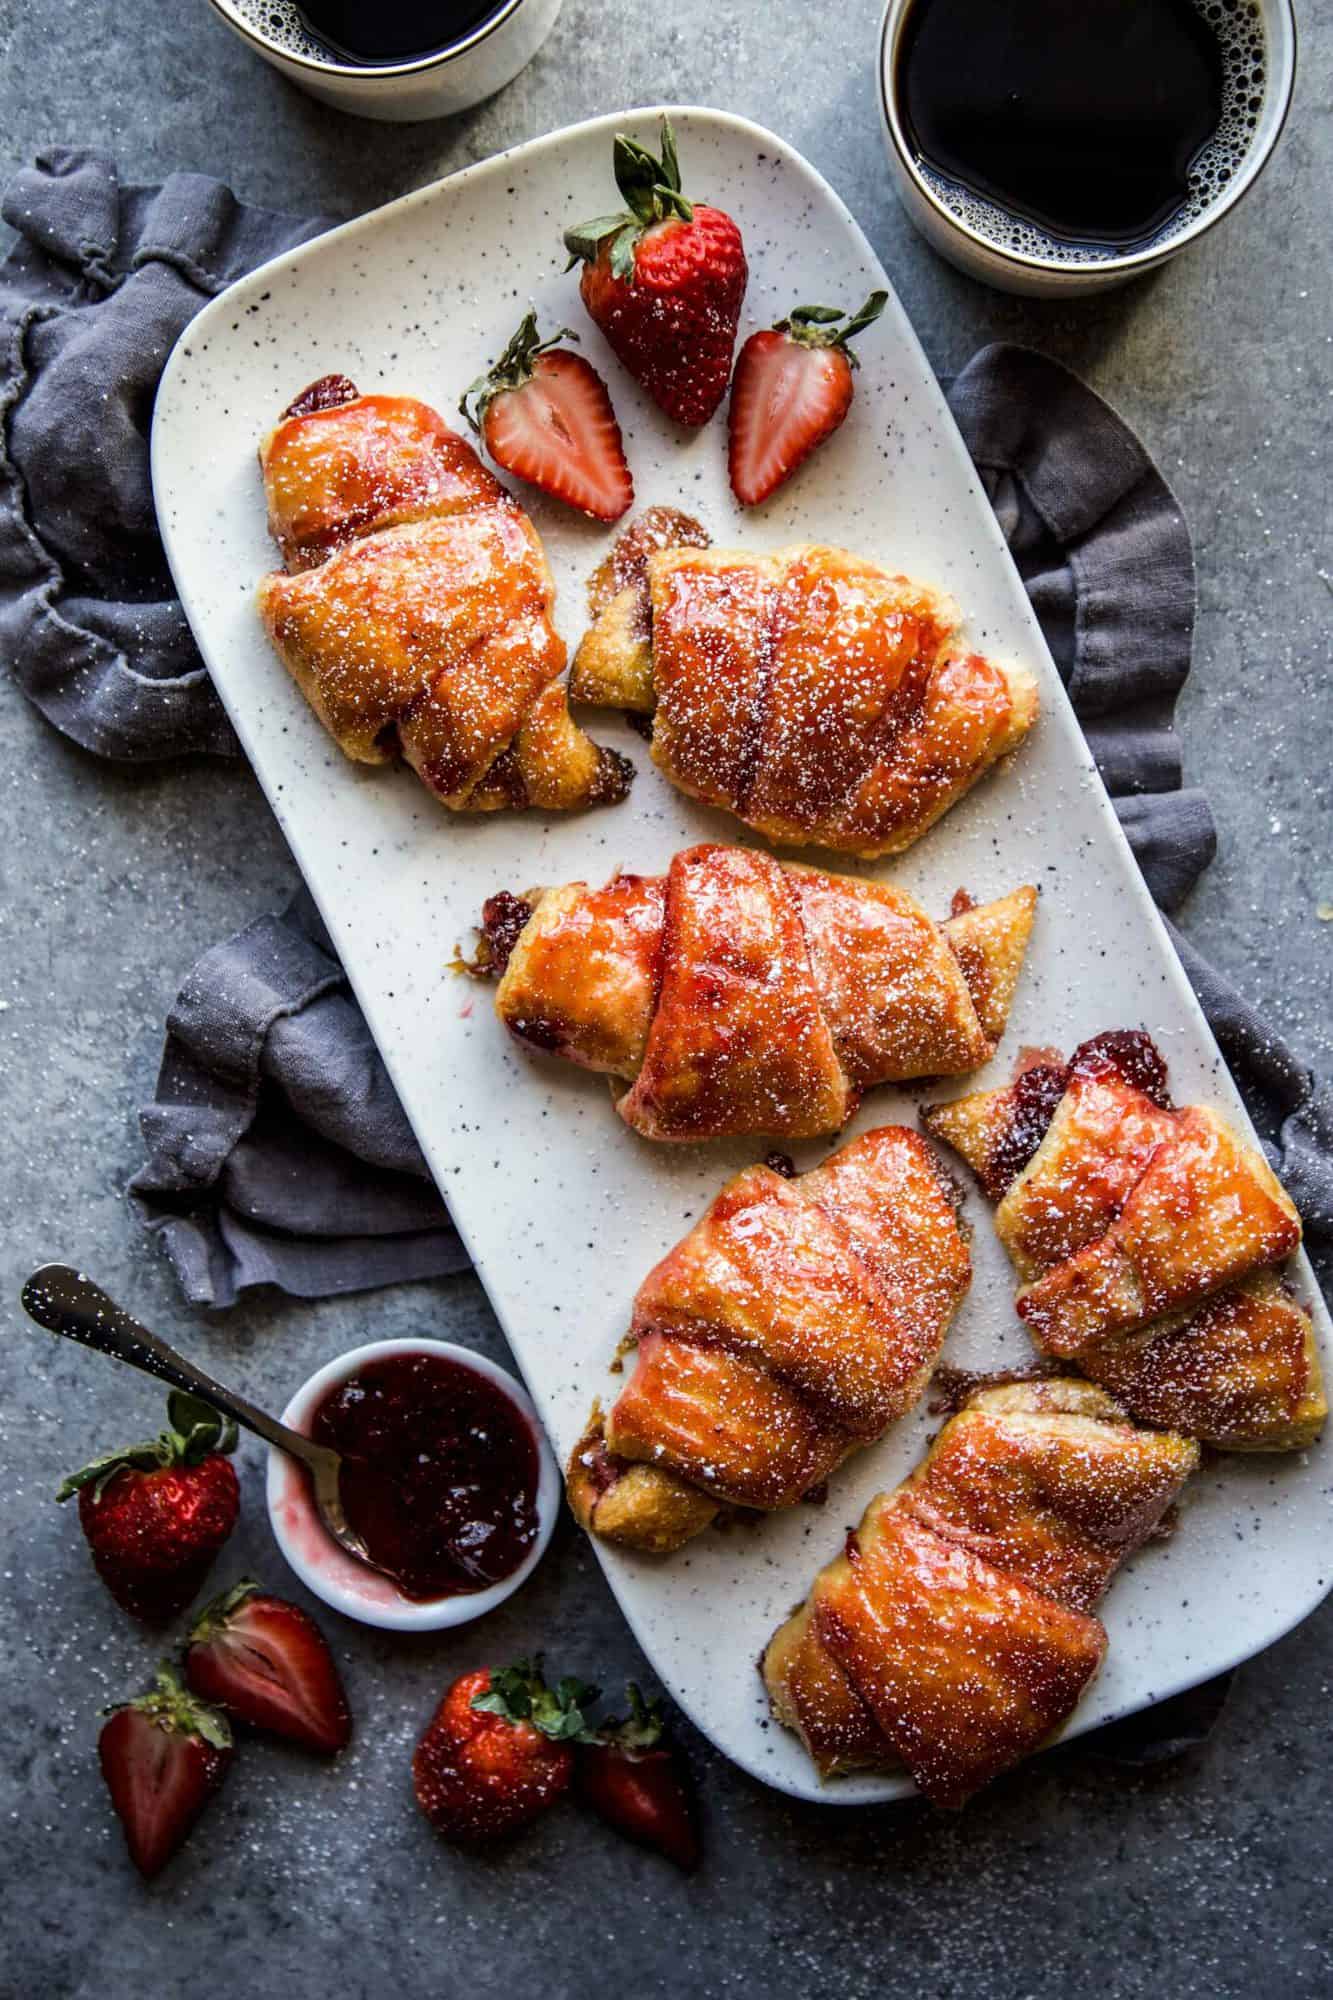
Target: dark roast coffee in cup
(392,31)
(394,59)
(1057,145)
(1083,119)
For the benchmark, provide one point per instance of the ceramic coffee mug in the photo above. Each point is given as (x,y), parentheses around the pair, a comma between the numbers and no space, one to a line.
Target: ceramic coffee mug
(958,229)
(432,86)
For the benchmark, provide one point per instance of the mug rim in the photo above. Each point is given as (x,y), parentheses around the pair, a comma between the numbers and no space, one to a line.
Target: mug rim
(363,72)
(1128,263)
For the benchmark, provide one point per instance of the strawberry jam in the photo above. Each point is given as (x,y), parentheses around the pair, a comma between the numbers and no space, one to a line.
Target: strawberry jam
(440,1472)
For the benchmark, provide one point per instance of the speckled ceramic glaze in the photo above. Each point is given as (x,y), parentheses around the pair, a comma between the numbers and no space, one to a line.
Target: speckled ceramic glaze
(562,1207)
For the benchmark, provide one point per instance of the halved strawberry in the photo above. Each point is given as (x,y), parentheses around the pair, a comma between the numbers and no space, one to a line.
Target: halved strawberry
(545,415)
(163,1757)
(792,388)
(267,1663)
(632,1775)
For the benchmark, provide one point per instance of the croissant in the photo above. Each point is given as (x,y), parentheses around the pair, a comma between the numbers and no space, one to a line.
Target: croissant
(415,611)
(738,995)
(955,1631)
(816,696)
(1147,1242)
(794,1323)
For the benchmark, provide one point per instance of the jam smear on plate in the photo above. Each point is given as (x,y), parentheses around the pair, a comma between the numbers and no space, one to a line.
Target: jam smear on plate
(440,1472)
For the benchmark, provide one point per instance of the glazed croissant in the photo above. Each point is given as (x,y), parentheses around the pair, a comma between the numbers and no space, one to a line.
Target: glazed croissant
(815,695)
(738,995)
(415,611)
(954,1633)
(793,1324)
(1147,1242)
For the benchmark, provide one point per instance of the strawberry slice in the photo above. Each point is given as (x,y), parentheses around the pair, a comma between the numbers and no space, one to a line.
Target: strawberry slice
(630,1773)
(545,415)
(163,1757)
(266,1662)
(792,388)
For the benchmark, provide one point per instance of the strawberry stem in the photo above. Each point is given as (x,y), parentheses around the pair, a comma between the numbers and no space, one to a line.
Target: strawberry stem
(196,1431)
(818,326)
(520,1694)
(218,1610)
(652,193)
(170,1704)
(511,371)
(644,1729)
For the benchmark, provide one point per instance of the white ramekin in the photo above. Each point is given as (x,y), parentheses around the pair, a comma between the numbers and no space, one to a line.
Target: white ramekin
(1012,270)
(351,1587)
(434,86)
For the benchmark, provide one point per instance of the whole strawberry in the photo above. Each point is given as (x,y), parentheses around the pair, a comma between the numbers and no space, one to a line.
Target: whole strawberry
(793,388)
(155,1515)
(498,1751)
(632,1775)
(163,1757)
(664,280)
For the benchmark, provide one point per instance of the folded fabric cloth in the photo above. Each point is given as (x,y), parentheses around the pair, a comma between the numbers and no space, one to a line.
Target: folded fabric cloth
(277,1151)
(92,297)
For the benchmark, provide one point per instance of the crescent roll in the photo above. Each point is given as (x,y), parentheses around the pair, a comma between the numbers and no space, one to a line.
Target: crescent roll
(737,995)
(1148,1242)
(820,698)
(414,612)
(955,1631)
(794,1323)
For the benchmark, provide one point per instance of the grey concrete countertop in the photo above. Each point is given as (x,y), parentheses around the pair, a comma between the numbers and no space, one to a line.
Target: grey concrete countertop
(1208,1876)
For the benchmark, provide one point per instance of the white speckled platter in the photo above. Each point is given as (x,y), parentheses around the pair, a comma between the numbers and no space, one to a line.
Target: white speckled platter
(562,1207)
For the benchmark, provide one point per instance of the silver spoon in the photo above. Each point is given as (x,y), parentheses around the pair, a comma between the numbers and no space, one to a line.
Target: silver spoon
(64,1301)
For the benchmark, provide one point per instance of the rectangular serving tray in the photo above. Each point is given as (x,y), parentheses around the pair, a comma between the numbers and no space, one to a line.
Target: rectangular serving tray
(562,1208)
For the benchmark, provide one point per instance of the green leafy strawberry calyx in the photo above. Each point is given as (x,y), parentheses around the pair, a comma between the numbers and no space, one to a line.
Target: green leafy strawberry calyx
(819,326)
(215,1614)
(520,1694)
(511,371)
(196,1431)
(651,190)
(171,1706)
(643,1730)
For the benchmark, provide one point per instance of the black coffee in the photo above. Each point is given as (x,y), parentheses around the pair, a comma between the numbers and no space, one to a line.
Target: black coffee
(1081,118)
(392,31)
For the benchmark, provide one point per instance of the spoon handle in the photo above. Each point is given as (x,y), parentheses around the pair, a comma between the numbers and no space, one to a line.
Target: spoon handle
(65,1301)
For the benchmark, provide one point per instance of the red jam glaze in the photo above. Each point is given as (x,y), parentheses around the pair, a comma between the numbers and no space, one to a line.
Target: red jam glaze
(440,1472)
(1034,1096)
(1036,1092)
(330,392)
(1126,1052)
(504,918)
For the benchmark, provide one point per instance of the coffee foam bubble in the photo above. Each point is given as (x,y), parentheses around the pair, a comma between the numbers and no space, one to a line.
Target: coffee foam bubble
(279,24)
(1239,29)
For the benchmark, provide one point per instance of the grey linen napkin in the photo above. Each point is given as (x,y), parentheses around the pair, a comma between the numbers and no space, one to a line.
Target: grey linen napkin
(92,297)
(278,1153)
